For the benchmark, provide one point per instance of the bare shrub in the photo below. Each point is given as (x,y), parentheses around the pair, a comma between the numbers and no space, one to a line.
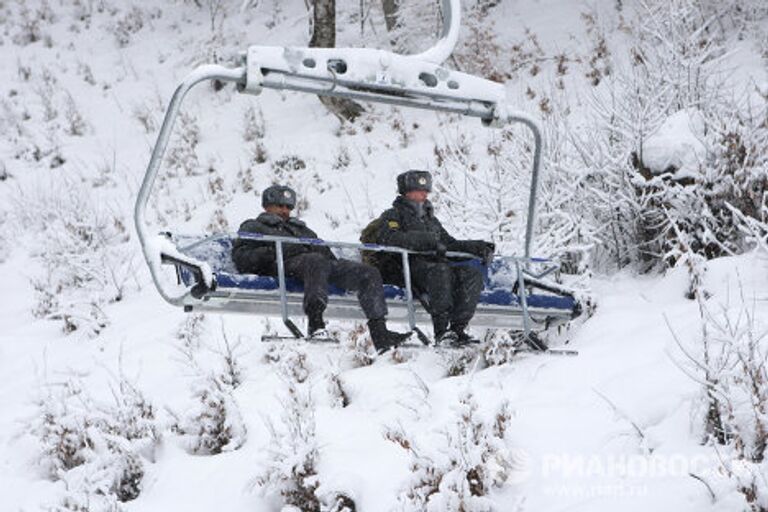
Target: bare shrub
(336,389)
(97,449)
(356,343)
(232,373)
(729,363)
(254,127)
(599,61)
(479,52)
(76,123)
(650,205)
(182,156)
(471,459)
(501,347)
(128,24)
(85,252)
(145,115)
(245,178)
(342,159)
(29,27)
(213,424)
(291,469)
(460,361)
(85,71)
(189,333)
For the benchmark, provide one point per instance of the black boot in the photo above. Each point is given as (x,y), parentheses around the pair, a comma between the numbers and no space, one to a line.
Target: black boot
(463,337)
(383,338)
(440,326)
(316,325)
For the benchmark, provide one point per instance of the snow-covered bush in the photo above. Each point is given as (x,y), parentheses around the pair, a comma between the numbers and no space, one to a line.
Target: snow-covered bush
(413,26)
(190,333)
(97,449)
(289,362)
(729,362)
(460,361)
(501,347)
(85,501)
(254,127)
(356,343)
(30,24)
(338,395)
(291,471)
(231,370)
(479,51)
(483,188)
(461,471)
(64,430)
(672,154)
(213,424)
(129,23)
(146,114)
(254,131)
(76,123)
(182,159)
(291,468)
(85,253)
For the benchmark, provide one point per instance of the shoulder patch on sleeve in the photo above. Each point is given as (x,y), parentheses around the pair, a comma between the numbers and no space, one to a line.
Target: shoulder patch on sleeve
(393,224)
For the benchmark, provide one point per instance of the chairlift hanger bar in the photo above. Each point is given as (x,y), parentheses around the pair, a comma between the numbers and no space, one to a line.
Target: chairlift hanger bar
(364,74)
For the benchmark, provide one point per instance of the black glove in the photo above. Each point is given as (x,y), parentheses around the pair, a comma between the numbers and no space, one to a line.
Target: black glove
(488,248)
(440,250)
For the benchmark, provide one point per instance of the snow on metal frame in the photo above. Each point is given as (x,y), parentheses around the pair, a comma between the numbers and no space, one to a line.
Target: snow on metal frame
(366,69)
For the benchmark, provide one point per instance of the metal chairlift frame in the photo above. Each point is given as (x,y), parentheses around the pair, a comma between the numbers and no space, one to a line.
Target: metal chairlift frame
(362,74)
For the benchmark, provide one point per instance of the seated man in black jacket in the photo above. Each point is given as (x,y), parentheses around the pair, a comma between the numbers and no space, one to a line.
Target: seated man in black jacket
(314,265)
(453,288)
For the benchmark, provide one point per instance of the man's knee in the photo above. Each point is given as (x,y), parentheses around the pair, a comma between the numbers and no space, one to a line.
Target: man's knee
(316,264)
(440,272)
(469,276)
(369,275)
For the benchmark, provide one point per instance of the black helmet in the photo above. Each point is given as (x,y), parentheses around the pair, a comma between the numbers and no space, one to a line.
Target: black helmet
(279,195)
(414,180)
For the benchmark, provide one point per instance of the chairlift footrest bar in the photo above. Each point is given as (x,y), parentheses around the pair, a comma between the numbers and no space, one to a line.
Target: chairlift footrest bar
(548,352)
(535,343)
(292,327)
(316,341)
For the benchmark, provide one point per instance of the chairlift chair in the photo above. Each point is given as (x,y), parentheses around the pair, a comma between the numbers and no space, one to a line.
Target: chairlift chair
(207,278)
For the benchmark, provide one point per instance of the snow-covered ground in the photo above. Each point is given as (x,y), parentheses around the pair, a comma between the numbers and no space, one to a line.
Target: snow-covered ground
(618,427)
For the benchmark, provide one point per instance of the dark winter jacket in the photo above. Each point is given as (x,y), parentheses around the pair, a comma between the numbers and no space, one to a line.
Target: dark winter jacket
(256,257)
(403,226)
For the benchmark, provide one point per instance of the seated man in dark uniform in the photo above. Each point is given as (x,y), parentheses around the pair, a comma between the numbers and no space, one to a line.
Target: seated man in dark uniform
(314,265)
(453,288)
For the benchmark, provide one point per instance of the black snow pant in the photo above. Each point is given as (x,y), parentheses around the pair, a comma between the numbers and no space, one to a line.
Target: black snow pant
(316,271)
(453,291)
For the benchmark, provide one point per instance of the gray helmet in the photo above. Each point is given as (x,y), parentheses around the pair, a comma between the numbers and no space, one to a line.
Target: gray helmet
(414,180)
(278,195)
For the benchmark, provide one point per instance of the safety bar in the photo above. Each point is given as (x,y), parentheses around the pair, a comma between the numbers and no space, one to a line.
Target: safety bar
(280,240)
(519,265)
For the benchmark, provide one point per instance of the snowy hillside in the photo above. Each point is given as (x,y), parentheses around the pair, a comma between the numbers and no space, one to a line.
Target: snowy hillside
(654,200)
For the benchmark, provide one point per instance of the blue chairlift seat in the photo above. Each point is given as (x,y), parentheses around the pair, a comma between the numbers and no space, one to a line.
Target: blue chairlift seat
(499,278)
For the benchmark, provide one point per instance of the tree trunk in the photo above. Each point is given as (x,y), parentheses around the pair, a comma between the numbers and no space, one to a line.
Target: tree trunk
(324,26)
(390,13)
(324,36)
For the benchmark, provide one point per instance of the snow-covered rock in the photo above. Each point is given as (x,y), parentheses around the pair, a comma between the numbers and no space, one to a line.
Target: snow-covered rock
(676,146)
